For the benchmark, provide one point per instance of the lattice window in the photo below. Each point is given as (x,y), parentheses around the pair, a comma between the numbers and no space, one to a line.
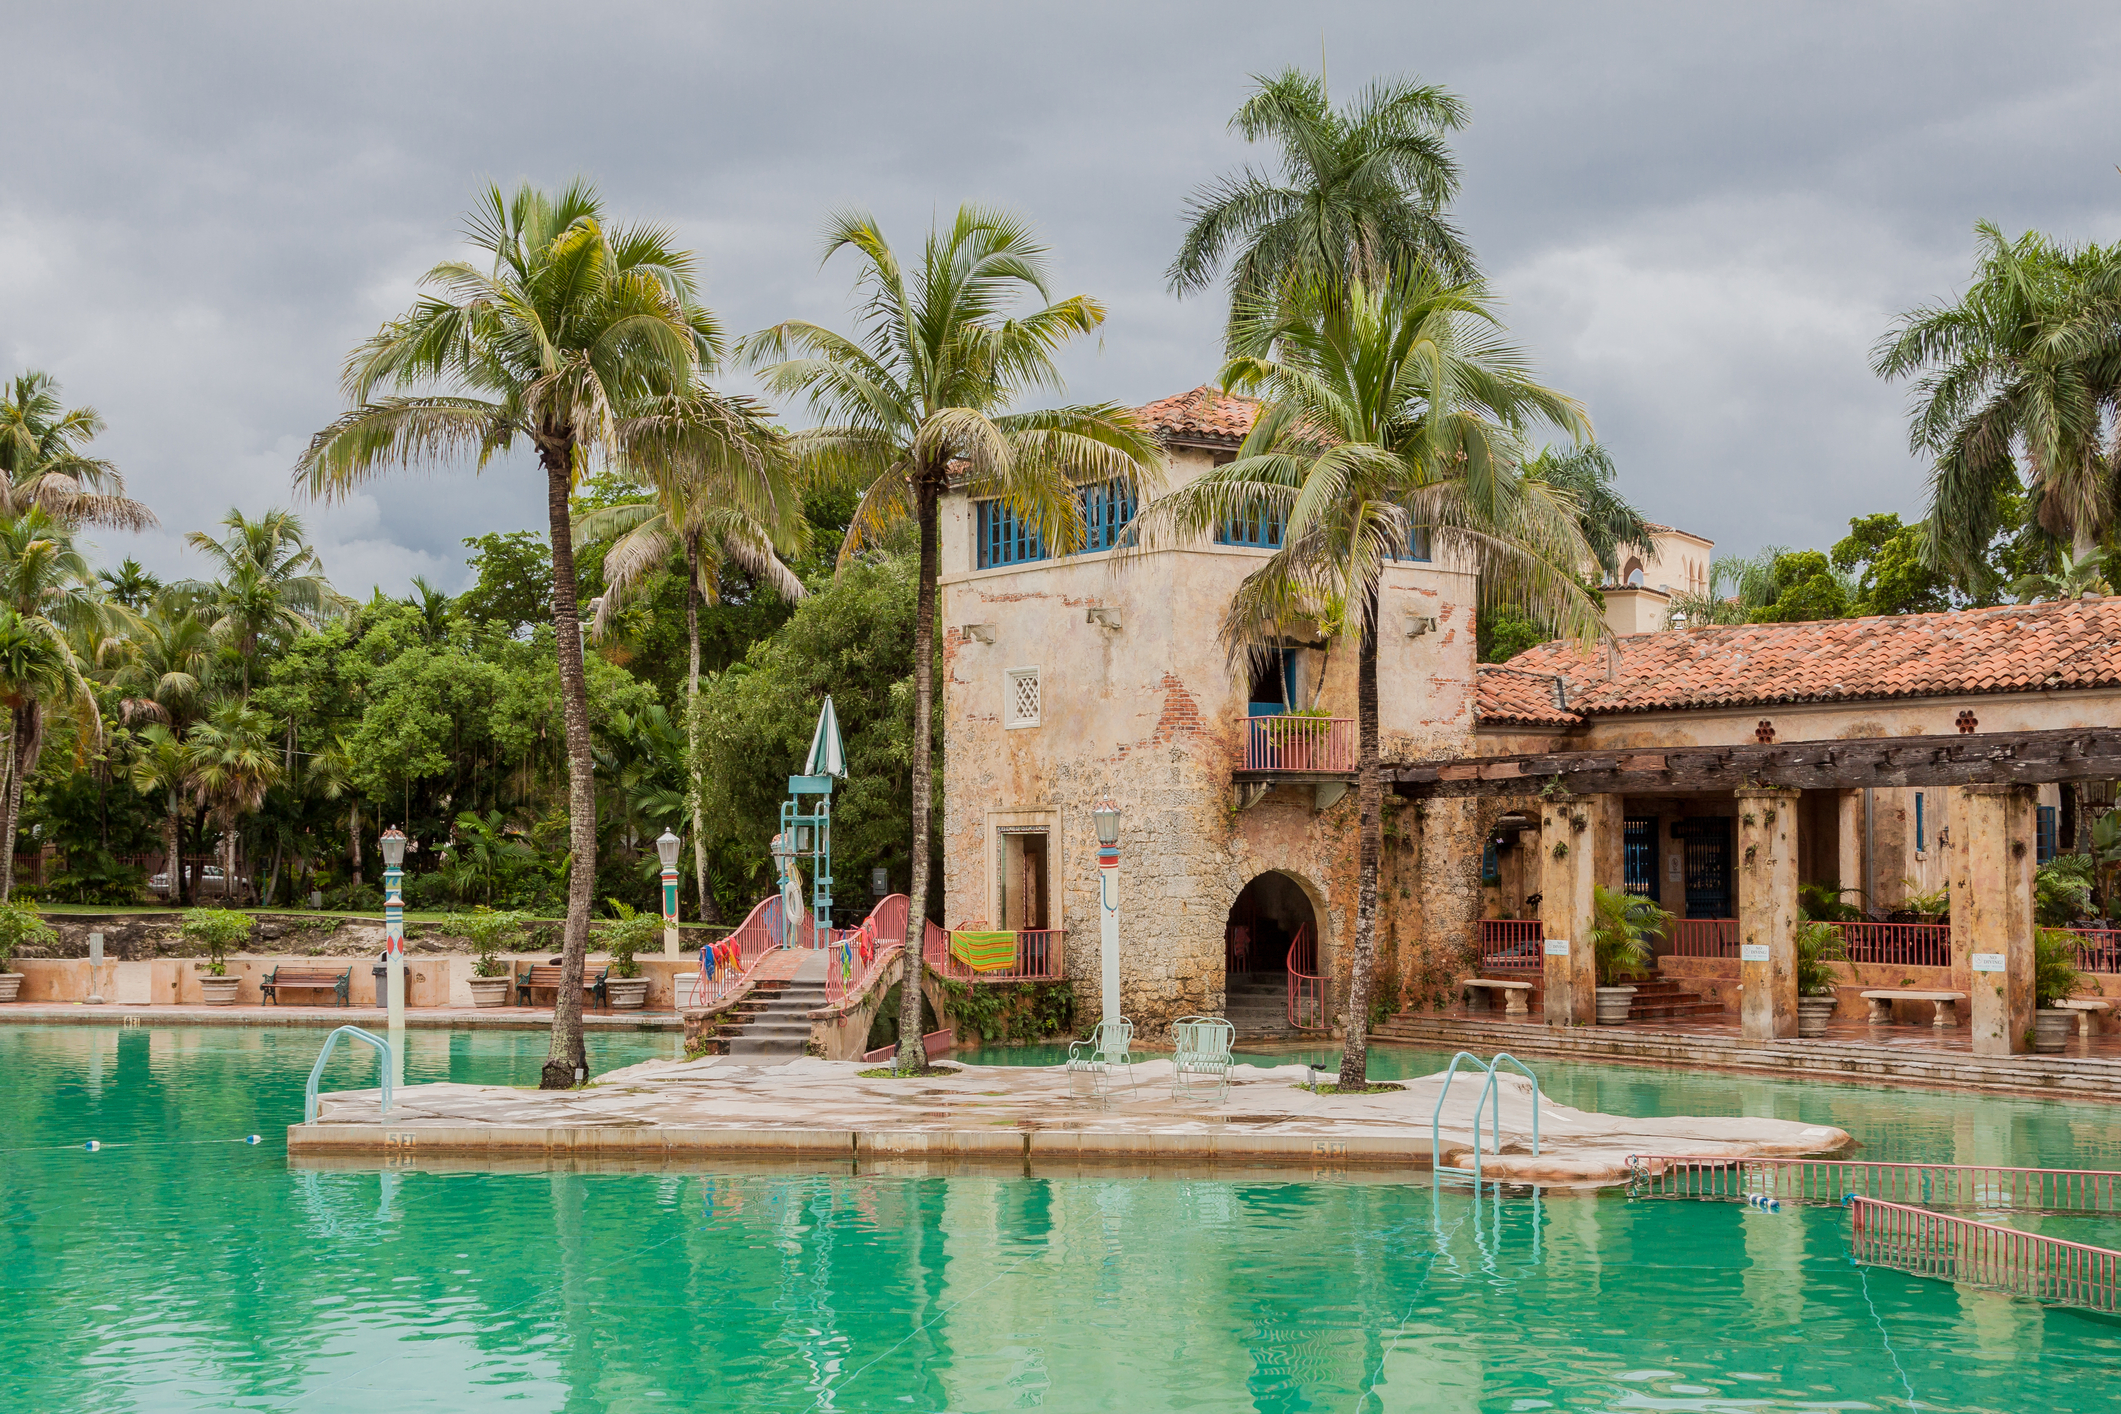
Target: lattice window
(1020,708)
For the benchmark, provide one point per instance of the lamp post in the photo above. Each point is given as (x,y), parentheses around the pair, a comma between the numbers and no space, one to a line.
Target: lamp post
(666,845)
(393,845)
(1106,816)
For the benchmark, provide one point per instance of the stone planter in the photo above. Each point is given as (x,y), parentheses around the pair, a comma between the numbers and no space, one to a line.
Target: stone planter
(1813,1013)
(627,993)
(10,986)
(219,991)
(491,991)
(1613,1004)
(2052,1028)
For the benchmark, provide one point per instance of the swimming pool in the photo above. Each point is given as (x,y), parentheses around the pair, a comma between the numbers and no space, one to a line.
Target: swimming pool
(178,1268)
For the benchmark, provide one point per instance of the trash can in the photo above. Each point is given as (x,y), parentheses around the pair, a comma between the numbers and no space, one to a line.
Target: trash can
(382,971)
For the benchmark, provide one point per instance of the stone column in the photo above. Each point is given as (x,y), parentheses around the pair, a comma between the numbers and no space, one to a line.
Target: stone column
(1992,912)
(1848,830)
(1568,866)
(1767,913)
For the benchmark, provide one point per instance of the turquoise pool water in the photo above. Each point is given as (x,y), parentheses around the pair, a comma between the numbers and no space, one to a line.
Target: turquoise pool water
(179,1269)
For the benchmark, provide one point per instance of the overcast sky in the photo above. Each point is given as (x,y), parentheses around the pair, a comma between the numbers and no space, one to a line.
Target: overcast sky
(1700,216)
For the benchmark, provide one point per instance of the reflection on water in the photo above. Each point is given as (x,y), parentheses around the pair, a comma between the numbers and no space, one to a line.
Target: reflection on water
(175,1269)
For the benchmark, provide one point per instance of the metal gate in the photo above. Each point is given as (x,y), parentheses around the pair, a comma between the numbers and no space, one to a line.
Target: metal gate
(1707,839)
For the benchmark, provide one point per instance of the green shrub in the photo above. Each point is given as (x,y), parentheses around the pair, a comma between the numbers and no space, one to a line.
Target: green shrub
(1011,1012)
(216,931)
(1621,925)
(490,935)
(1828,903)
(19,924)
(630,931)
(1819,945)
(2062,890)
(2055,974)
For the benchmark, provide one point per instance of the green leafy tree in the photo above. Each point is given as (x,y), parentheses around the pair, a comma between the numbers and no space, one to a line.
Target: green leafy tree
(1392,409)
(1893,569)
(268,584)
(1608,520)
(1805,586)
(581,342)
(514,587)
(924,390)
(1359,190)
(231,760)
(2026,361)
(44,584)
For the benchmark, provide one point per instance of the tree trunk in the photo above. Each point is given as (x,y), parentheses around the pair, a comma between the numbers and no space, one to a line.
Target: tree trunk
(567,1061)
(7,794)
(353,838)
(176,846)
(911,1053)
(709,912)
(26,741)
(1369,803)
(2084,543)
(272,876)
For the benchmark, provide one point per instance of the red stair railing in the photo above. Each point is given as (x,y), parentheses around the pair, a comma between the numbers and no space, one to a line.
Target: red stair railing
(1307,987)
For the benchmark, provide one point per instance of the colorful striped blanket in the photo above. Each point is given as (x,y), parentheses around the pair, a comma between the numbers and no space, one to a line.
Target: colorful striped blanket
(984,952)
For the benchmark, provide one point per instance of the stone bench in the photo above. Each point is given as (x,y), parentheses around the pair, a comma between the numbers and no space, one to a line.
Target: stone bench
(1517,996)
(2086,1008)
(1947,1004)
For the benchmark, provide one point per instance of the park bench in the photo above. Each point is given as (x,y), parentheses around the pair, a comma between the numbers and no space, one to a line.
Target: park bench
(1203,1049)
(545,977)
(2086,1008)
(306,979)
(1947,1004)
(1517,996)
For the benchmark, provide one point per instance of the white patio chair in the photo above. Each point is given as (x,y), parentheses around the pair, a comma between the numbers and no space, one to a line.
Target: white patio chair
(1109,1045)
(1203,1049)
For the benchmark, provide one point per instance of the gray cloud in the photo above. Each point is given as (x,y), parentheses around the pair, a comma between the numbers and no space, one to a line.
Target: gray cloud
(1701,217)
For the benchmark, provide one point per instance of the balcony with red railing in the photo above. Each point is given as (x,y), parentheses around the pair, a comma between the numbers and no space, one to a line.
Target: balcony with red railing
(1511,945)
(2099,950)
(1299,745)
(1037,957)
(1704,937)
(1898,944)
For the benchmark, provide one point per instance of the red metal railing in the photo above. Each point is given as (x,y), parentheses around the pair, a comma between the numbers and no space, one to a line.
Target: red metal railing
(741,951)
(1983,1254)
(847,974)
(1307,987)
(2095,1191)
(1039,957)
(1705,937)
(1899,944)
(1511,944)
(2100,951)
(1299,743)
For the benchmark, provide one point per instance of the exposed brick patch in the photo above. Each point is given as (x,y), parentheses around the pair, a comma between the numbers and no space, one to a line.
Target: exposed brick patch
(1181,714)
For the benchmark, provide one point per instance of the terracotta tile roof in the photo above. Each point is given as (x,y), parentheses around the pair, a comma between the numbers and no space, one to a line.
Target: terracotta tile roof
(1203,415)
(1509,697)
(2017,648)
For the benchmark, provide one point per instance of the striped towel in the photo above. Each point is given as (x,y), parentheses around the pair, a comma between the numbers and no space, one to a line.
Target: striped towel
(984,952)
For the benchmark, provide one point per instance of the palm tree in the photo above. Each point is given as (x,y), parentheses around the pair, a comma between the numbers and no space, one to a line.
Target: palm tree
(433,607)
(330,776)
(44,461)
(35,667)
(581,344)
(167,653)
(922,392)
(1607,519)
(130,585)
(1394,409)
(692,509)
(45,583)
(231,760)
(1360,190)
(2027,361)
(159,766)
(268,582)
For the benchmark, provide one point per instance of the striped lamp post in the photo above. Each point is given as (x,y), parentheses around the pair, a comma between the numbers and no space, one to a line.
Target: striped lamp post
(667,846)
(393,844)
(1105,815)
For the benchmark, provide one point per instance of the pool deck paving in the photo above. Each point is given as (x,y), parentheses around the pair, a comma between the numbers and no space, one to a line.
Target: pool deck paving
(1854,1052)
(1020,1116)
(443,1018)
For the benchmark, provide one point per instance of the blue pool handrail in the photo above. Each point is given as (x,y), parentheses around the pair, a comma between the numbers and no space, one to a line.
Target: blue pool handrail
(316,1072)
(1483,1102)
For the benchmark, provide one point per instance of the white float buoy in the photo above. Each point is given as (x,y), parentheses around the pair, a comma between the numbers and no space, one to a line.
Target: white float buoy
(93,1145)
(252,1139)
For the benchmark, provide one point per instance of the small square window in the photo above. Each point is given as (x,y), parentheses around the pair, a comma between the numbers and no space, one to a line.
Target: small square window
(1020,709)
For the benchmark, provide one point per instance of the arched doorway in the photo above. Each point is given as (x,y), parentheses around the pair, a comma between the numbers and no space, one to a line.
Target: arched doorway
(1266,919)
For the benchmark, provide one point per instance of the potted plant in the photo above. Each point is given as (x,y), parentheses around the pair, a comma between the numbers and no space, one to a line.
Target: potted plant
(2055,979)
(623,936)
(1620,940)
(19,924)
(1819,946)
(217,931)
(491,934)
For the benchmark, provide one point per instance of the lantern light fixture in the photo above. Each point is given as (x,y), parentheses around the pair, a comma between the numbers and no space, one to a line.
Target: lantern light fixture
(666,846)
(393,844)
(1105,814)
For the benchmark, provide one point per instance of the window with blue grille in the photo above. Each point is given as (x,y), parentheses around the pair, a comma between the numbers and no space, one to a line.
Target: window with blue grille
(1005,539)
(2045,823)
(1639,846)
(1490,866)
(1921,833)
(1259,528)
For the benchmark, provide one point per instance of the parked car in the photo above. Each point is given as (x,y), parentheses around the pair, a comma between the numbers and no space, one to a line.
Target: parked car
(208,880)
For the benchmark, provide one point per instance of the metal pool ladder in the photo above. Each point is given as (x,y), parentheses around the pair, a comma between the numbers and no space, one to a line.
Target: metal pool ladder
(1443,1170)
(316,1072)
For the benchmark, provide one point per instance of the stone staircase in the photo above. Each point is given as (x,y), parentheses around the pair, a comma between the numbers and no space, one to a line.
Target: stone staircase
(1257,1004)
(1663,999)
(773,1015)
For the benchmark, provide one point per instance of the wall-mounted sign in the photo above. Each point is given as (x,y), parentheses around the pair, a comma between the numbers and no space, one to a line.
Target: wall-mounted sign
(1989,962)
(1752,952)
(1557,947)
